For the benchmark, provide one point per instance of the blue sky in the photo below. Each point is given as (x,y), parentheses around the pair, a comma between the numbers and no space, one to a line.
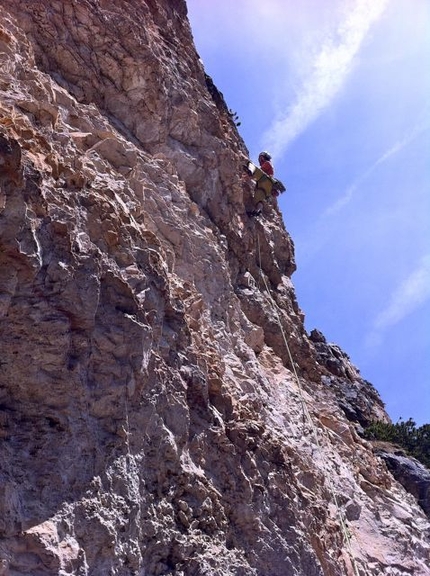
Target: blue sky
(339,92)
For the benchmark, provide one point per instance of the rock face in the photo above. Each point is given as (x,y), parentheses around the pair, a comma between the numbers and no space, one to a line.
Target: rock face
(410,473)
(162,408)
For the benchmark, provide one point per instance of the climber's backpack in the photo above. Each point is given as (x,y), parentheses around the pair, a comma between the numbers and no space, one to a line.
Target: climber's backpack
(277,185)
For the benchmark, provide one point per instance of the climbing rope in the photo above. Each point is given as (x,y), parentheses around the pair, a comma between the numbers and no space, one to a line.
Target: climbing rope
(305,410)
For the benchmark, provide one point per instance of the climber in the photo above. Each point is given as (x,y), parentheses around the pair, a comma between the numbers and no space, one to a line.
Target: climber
(265,184)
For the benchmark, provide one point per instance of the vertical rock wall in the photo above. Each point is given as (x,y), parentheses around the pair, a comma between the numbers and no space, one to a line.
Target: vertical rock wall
(151,419)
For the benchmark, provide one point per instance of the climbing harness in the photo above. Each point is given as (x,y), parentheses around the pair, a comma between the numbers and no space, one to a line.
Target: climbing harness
(306,413)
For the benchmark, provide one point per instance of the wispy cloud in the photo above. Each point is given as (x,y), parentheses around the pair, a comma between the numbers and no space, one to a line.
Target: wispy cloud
(397,147)
(412,293)
(330,69)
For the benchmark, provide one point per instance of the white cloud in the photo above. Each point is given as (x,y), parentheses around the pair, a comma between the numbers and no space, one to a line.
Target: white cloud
(397,147)
(412,293)
(329,71)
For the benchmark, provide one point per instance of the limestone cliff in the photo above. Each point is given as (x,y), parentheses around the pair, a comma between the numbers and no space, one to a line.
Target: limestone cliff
(162,408)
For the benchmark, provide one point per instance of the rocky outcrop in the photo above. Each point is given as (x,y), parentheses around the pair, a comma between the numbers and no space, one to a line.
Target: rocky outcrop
(162,408)
(357,398)
(411,474)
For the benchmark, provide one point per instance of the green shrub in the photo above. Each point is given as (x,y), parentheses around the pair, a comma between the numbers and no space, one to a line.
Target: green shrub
(415,441)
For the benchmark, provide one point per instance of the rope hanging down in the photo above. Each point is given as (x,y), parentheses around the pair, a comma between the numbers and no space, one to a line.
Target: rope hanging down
(306,413)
